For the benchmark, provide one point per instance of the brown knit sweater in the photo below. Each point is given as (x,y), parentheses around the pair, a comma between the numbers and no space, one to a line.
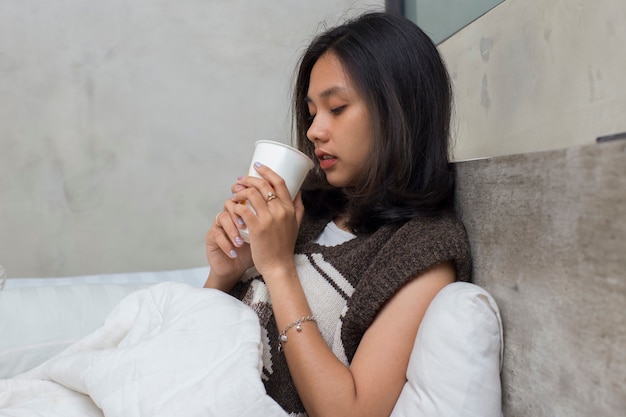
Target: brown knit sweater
(347,284)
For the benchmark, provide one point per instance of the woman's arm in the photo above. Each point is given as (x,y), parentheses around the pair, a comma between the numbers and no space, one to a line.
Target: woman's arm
(374,380)
(372,384)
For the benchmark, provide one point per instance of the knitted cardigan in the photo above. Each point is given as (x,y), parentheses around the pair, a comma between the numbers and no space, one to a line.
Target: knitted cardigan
(347,284)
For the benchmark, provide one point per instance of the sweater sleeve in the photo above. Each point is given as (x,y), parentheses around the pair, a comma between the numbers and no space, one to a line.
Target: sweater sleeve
(415,247)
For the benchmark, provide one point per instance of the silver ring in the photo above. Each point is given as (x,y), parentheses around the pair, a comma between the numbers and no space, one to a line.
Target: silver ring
(270,196)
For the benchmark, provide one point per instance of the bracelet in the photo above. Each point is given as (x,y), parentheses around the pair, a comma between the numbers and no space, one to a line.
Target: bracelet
(282,337)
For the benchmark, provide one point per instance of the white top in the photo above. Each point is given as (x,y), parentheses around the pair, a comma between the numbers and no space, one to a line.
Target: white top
(332,235)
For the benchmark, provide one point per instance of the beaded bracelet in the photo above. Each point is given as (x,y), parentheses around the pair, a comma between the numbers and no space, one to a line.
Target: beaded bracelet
(282,337)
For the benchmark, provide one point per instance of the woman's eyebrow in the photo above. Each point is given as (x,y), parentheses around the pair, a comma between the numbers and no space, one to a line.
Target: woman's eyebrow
(328,92)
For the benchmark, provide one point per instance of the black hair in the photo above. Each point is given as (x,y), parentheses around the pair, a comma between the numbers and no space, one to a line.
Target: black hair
(398,71)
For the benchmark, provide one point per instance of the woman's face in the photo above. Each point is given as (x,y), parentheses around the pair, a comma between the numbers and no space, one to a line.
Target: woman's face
(341,127)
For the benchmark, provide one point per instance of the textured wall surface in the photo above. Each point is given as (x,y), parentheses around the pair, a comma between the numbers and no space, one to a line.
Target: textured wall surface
(123,123)
(534,75)
(548,235)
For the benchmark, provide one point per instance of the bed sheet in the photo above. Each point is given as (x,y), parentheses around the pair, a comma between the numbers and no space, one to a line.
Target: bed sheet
(456,360)
(169,349)
(192,276)
(39,317)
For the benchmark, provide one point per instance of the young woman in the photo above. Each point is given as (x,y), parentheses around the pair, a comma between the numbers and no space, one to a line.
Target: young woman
(342,276)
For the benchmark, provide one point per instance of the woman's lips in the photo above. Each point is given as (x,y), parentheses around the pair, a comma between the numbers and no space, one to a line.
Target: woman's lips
(327,163)
(326,160)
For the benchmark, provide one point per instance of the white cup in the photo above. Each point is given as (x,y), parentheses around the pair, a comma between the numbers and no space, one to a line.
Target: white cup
(289,163)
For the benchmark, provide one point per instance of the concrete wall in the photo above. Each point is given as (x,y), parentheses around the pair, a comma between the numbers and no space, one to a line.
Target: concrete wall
(124,122)
(548,237)
(534,75)
(536,82)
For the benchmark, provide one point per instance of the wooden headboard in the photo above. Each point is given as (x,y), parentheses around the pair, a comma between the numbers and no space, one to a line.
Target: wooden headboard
(548,236)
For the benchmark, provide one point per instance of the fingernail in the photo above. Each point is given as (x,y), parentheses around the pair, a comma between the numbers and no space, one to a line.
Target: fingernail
(232,254)
(238,241)
(240,221)
(239,178)
(258,165)
(239,187)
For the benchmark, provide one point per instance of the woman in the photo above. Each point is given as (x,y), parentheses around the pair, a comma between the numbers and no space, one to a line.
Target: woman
(342,276)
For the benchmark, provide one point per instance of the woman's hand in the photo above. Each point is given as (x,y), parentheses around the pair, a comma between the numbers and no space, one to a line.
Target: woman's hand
(226,252)
(274,223)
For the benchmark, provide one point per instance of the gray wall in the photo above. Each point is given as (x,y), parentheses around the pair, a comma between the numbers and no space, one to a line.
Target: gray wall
(123,123)
(535,75)
(548,238)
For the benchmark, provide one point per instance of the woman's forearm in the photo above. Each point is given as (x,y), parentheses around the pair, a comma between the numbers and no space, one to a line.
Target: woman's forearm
(325,385)
(373,382)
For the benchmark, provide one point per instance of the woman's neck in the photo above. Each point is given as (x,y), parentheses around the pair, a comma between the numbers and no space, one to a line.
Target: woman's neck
(342,223)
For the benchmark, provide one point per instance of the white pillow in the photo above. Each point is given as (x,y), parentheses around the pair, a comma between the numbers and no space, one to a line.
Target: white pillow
(454,369)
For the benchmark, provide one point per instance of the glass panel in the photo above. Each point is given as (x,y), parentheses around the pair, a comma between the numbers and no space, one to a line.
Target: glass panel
(442,18)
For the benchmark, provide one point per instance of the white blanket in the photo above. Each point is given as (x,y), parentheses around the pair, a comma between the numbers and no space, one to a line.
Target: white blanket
(168,350)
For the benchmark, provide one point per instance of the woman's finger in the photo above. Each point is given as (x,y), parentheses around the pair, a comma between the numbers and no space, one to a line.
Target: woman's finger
(254,185)
(229,223)
(229,207)
(270,184)
(216,239)
(276,182)
(236,186)
(249,203)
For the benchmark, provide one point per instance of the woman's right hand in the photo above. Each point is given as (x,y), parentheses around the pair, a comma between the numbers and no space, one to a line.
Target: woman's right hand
(228,255)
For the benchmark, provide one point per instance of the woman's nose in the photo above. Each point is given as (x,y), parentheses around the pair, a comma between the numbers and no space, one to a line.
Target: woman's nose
(317,130)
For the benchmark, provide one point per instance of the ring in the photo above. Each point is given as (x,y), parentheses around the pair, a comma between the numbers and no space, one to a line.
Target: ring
(270,196)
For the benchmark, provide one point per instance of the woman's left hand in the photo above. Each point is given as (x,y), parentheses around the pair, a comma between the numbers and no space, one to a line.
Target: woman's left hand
(274,227)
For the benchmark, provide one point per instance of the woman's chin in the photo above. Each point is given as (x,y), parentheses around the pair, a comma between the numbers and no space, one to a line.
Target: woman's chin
(337,182)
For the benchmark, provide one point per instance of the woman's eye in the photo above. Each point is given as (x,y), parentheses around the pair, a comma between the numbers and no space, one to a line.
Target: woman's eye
(337,110)
(310,118)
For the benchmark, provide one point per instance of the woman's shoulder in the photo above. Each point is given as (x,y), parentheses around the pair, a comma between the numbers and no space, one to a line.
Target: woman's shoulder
(438,238)
(443,226)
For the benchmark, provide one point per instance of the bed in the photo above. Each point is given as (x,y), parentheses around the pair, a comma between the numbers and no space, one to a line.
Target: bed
(158,344)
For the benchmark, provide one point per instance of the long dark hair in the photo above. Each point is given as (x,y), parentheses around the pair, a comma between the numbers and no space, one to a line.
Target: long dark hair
(398,71)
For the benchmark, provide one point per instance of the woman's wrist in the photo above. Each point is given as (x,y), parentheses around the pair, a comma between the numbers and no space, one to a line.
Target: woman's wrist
(222,283)
(288,299)
(281,277)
